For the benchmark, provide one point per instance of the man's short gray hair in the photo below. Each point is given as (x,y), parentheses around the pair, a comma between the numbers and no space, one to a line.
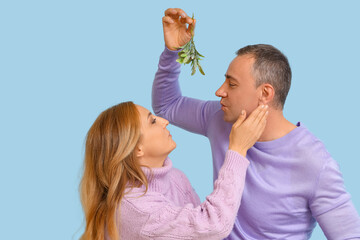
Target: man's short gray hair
(271,66)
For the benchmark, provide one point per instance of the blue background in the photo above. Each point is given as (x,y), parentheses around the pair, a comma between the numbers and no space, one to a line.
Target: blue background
(63,62)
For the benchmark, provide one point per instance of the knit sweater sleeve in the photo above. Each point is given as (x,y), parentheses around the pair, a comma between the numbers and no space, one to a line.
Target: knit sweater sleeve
(212,219)
(332,207)
(184,185)
(168,102)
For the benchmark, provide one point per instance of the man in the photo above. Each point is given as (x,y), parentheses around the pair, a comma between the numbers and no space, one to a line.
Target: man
(292,181)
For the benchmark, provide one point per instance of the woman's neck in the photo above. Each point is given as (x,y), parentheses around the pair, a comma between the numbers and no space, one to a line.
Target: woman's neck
(153,162)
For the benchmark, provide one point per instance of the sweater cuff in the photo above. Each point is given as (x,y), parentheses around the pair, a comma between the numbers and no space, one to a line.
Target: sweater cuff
(168,51)
(168,61)
(234,160)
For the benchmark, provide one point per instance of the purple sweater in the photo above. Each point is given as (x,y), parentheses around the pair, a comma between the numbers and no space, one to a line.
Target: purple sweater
(292,182)
(170,209)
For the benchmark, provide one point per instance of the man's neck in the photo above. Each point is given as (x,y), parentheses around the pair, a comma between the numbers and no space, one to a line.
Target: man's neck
(277,126)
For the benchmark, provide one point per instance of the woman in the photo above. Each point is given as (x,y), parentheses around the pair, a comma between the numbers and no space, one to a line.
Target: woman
(129,189)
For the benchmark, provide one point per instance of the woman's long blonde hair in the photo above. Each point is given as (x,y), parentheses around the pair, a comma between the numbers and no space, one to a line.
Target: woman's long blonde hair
(109,166)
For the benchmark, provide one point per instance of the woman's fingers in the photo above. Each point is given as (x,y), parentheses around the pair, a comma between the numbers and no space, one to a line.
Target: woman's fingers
(261,114)
(260,120)
(245,133)
(255,114)
(257,120)
(240,119)
(262,123)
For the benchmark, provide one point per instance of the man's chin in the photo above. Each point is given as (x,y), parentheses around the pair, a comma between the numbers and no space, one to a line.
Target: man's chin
(229,119)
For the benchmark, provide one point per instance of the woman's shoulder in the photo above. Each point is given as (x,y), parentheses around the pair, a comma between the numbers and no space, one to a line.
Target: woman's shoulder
(177,173)
(145,203)
(180,179)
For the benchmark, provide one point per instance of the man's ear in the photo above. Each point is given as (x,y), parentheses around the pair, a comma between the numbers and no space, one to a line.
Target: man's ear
(139,151)
(266,93)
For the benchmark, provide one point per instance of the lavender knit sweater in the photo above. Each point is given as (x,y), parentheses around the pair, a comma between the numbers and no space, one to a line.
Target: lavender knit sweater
(292,182)
(170,209)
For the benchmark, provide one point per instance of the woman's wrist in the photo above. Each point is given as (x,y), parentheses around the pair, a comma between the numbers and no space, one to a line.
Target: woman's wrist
(241,151)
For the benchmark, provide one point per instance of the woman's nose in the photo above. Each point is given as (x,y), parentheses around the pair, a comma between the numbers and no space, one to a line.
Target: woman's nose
(164,122)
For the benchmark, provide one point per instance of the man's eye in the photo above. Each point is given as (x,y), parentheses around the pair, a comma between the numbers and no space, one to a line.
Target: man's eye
(153,121)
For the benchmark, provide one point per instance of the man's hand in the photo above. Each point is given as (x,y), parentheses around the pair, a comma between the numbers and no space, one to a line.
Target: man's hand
(177,28)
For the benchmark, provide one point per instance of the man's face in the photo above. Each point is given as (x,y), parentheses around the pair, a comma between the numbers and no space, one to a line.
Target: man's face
(239,91)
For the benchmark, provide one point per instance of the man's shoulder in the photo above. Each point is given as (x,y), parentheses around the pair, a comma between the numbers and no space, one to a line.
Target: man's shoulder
(306,139)
(311,147)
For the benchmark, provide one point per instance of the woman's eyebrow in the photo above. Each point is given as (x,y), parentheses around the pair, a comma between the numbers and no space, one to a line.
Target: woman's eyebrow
(149,114)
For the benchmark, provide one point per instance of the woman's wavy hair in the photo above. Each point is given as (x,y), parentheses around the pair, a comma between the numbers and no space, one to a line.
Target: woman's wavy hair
(110,166)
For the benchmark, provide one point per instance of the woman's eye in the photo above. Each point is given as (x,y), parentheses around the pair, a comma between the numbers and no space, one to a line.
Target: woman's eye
(231,85)
(153,121)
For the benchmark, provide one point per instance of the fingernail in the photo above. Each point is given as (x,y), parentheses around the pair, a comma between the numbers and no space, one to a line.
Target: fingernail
(266,106)
(242,112)
(183,15)
(262,106)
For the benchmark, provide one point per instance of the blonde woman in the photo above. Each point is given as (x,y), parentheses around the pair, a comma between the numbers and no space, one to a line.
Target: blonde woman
(129,189)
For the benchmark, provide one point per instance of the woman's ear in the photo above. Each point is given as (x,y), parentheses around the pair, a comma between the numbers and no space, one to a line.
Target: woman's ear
(139,151)
(266,93)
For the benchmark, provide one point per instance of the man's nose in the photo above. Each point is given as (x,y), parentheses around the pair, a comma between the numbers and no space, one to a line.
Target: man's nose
(221,91)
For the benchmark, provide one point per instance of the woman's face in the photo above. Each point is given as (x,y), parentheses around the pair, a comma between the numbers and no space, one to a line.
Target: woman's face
(156,142)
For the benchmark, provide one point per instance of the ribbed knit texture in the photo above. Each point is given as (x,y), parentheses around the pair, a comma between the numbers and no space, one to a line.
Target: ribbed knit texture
(170,209)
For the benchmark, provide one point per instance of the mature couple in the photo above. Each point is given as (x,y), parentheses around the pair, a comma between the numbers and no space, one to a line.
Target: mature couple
(273,179)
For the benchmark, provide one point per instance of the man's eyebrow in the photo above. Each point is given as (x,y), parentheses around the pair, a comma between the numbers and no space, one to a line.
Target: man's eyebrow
(231,77)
